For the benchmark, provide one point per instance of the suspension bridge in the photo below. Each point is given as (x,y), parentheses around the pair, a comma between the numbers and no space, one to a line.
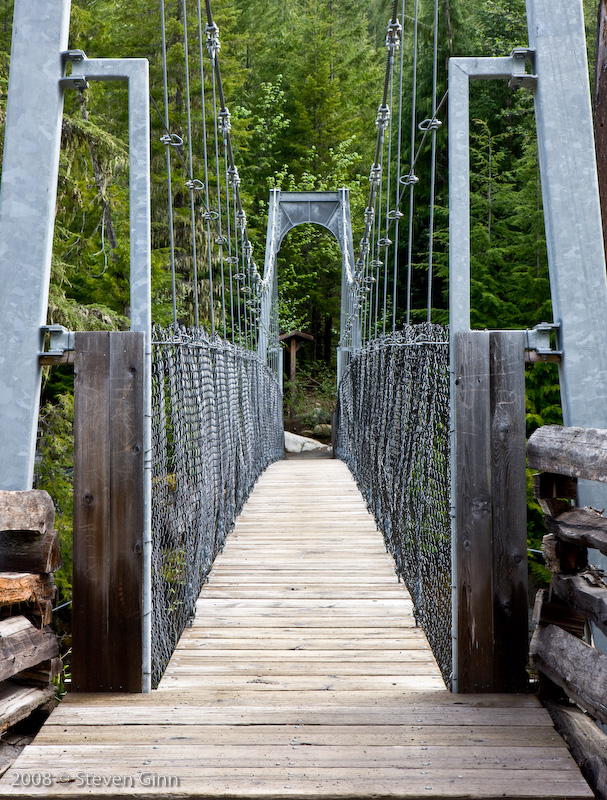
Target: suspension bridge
(241,627)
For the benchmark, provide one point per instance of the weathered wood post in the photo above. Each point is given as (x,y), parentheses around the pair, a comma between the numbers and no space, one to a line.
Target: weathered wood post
(108,512)
(490,530)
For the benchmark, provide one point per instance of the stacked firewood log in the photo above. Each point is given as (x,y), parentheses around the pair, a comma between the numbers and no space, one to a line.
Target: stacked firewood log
(29,653)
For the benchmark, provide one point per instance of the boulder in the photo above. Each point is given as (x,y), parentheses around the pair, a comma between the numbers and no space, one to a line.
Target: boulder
(322,430)
(301,444)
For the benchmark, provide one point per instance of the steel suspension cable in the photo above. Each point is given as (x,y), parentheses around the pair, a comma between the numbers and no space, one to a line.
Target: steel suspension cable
(412,178)
(229,242)
(167,140)
(208,214)
(397,212)
(191,183)
(388,178)
(434,123)
(366,273)
(257,284)
(213,47)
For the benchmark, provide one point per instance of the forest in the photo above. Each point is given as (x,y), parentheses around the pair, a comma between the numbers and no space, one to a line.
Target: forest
(303,80)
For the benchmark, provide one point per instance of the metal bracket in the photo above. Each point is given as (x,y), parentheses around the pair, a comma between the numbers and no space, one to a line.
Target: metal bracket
(537,342)
(78,82)
(520,79)
(61,346)
(72,57)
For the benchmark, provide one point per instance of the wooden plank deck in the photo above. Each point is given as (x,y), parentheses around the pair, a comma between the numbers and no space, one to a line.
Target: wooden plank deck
(303,676)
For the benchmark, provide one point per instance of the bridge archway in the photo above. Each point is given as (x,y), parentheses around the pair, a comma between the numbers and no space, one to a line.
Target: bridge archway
(331,210)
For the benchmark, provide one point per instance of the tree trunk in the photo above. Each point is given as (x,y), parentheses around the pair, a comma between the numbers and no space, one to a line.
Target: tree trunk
(328,339)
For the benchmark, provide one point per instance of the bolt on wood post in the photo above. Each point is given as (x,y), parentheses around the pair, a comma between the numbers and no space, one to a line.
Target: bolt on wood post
(490,547)
(108,512)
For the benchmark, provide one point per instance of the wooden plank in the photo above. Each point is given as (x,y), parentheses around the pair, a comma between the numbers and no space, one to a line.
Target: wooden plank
(29,551)
(585,593)
(583,527)
(497,736)
(587,743)
(108,512)
(40,675)
(573,665)
(509,510)
(91,579)
(31,510)
(23,646)
(577,452)
(270,713)
(18,702)
(442,702)
(25,587)
(301,782)
(472,479)
(124,637)
(205,755)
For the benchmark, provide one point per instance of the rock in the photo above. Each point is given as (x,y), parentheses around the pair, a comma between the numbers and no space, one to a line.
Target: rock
(323,430)
(301,444)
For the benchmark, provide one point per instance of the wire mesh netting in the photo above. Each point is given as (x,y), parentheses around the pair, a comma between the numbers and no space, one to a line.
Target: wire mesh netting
(393,410)
(216,425)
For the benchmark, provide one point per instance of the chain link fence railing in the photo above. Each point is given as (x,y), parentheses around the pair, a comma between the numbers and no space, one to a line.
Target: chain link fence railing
(216,425)
(393,411)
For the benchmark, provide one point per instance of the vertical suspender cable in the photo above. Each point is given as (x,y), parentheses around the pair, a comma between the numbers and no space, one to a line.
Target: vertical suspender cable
(219,221)
(229,238)
(433,162)
(167,139)
(411,176)
(388,177)
(253,276)
(367,243)
(206,169)
(191,179)
(397,211)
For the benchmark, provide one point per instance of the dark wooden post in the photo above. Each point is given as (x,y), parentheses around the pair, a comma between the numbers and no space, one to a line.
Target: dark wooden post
(490,548)
(108,512)
(294,340)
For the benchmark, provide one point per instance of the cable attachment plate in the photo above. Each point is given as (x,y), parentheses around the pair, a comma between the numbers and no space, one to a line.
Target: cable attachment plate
(233,177)
(60,345)
(194,184)
(383,117)
(223,122)
(172,140)
(78,82)
(431,124)
(393,34)
(409,180)
(540,339)
(241,221)
(375,175)
(521,79)
(72,57)
(213,43)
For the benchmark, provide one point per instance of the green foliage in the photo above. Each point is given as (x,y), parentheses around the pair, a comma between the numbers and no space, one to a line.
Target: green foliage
(303,81)
(54,470)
